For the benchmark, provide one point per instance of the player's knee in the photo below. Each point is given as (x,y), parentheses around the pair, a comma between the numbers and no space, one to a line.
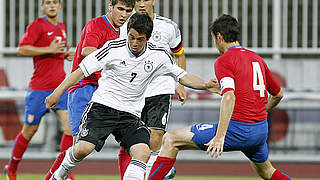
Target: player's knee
(29,130)
(140,151)
(82,150)
(156,140)
(169,140)
(156,135)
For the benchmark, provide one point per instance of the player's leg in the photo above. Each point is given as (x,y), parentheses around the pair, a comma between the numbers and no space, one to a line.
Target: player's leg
(62,113)
(258,151)
(34,110)
(267,171)
(66,139)
(20,146)
(73,156)
(93,132)
(156,136)
(123,161)
(262,165)
(55,165)
(135,139)
(173,141)
(156,115)
(77,103)
(136,169)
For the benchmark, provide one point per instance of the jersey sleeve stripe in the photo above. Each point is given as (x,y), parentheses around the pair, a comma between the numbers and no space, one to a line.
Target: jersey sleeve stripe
(152,47)
(178,52)
(105,50)
(110,44)
(178,48)
(84,70)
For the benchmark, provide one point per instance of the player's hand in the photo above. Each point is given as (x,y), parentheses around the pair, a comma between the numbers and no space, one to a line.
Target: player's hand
(215,145)
(51,101)
(213,86)
(69,55)
(182,94)
(56,47)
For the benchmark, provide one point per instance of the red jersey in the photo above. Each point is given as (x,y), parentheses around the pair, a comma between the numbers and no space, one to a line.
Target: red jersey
(247,74)
(48,68)
(95,34)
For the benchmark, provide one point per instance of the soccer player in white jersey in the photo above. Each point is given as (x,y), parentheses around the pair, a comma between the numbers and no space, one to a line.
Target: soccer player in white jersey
(128,66)
(157,107)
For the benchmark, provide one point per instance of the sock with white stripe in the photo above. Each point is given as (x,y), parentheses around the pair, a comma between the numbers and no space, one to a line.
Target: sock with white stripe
(135,170)
(161,167)
(152,159)
(67,164)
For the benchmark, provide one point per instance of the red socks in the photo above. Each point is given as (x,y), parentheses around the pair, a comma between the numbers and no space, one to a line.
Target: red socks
(66,142)
(19,147)
(278,175)
(160,168)
(55,165)
(123,161)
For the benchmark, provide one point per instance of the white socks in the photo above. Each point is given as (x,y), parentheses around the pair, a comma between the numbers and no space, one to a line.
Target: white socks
(135,170)
(150,162)
(67,164)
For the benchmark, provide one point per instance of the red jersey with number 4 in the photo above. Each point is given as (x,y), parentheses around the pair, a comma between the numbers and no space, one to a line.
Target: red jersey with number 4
(48,68)
(95,34)
(252,79)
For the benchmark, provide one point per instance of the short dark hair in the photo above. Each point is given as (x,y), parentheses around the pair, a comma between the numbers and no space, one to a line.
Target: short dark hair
(129,3)
(44,0)
(227,26)
(142,23)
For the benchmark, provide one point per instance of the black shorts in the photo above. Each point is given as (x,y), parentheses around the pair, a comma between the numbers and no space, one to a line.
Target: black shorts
(99,121)
(156,110)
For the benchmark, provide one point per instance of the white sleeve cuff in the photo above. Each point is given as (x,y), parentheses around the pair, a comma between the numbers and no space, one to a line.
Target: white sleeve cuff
(227,82)
(84,70)
(181,75)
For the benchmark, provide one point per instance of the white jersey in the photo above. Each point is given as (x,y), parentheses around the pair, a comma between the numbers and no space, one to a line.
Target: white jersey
(125,77)
(165,34)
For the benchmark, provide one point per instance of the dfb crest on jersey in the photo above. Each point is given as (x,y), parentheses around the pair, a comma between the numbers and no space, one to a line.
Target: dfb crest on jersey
(148,67)
(156,36)
(84,132)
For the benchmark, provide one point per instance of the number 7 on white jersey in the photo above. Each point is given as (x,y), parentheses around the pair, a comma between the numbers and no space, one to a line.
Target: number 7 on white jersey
(257,74)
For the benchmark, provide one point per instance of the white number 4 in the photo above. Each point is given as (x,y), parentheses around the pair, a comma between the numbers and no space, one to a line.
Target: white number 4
(204,126)
(257,74)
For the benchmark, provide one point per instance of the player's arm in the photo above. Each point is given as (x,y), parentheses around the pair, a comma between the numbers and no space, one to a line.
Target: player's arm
(89,65)
(195,82)
(274,100)
(181,62)
(54,48)
(273,88)
(181,76)
(92,38)
(87,50)
(73,78)
(215,145)
(224,73)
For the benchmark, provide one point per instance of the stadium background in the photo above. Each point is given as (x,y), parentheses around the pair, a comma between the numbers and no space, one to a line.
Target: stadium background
(284,32)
